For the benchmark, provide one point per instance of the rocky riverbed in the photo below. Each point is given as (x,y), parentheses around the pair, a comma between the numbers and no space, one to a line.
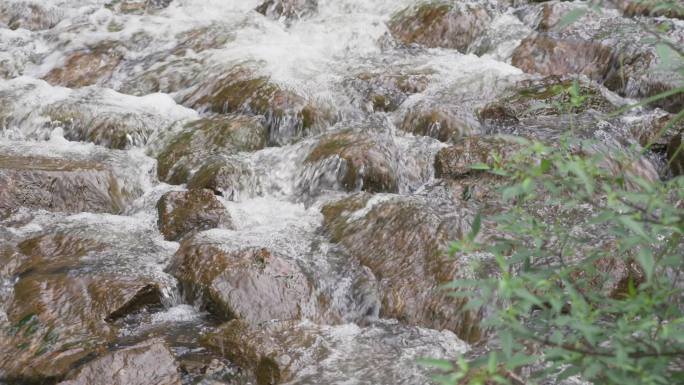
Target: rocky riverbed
(263,192)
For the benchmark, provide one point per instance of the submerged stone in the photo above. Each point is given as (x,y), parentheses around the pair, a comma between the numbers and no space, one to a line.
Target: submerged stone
(287,9)
(31,15)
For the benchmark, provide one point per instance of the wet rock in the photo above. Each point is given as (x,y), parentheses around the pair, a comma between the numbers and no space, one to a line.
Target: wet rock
(547,55)
(31,15)
(358,160)
(305,353)
(168,77)
(185,212)
(675,154)
(439,119)
(225,176)
(440,24)
(456,161)
(92,65)
(288,115)
(287,9)
(57,314)
(150,362)
(403,242)
(201,139)
(546,96)
(382,92)
(59,184)
(252,284)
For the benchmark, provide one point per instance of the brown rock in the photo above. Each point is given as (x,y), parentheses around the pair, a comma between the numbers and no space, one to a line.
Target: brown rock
(59,316)
(440,24)
(93,65)
(149,362)
(288,115)
(443,121)
(547,55)
(383,92)
(251,284)
(456,161)
(367,163)
(185,212)
(403,242)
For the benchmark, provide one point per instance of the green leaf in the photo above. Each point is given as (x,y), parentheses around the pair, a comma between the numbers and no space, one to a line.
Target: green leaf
(436,363)
(647,262)
(475,227)
(480,167)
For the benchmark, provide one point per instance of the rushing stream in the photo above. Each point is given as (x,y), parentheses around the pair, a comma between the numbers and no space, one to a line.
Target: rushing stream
(311,246)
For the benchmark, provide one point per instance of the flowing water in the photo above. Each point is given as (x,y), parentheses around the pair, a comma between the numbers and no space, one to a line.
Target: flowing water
(159,56)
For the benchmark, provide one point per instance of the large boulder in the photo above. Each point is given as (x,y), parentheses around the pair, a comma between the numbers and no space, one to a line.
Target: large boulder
(252,284)
(442,24)
(199,140)
(353,161)
(403,241)
(149,362)
(59,311)
(242,90)
(302,353)
(185,212)
(287,9)
(61,184)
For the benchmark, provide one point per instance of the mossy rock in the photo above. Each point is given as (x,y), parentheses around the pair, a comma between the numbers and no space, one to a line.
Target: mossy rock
(675,154)
(206,137)
(403,242)
(439,119)
(546,96)
(228,177)
(369,164)
(440,24)
(288,115)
